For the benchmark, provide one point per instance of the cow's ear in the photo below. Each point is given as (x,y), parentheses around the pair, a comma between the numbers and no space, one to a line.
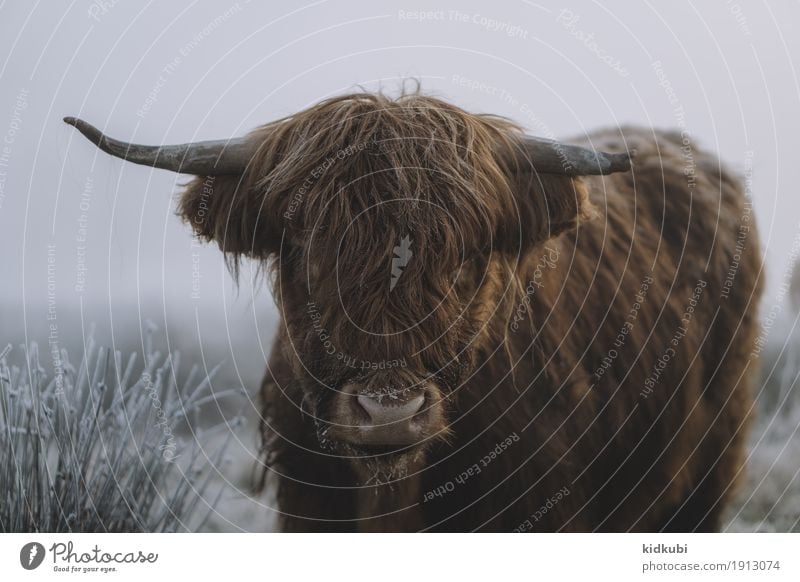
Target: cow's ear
(545,206)
(564,204)
(226,210)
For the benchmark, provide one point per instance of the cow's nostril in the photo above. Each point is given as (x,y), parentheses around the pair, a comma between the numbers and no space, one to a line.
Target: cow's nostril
(385,410)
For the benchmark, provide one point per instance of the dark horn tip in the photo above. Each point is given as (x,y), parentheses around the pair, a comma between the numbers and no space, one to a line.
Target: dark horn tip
(623,162)
(80,124)
(87,129)
(629,155)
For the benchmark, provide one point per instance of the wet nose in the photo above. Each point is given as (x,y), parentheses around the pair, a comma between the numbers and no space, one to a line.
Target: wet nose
(385,410)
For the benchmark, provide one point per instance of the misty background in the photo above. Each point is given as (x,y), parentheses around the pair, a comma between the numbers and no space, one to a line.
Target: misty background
(88,239)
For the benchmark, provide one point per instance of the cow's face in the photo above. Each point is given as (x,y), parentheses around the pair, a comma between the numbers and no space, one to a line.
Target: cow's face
(394,231)
(385,302)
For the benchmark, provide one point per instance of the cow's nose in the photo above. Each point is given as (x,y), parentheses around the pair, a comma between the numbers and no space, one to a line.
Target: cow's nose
(385,410)
(387,418)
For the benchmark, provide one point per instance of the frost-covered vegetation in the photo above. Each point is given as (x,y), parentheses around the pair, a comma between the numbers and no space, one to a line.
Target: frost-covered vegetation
(769,499)
(94,447)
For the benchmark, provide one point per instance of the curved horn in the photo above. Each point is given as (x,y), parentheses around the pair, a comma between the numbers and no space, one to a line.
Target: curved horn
(551,157)
(203,158)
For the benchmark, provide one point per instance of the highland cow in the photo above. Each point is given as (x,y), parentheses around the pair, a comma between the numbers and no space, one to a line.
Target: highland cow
(482,330)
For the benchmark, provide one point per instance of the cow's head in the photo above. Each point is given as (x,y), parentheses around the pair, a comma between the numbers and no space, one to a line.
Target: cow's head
(394,230)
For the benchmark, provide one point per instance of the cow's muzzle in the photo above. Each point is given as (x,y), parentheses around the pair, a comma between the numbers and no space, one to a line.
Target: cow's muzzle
(383,420)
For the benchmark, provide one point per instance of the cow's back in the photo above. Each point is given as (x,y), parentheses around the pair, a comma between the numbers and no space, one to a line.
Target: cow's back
(663,285)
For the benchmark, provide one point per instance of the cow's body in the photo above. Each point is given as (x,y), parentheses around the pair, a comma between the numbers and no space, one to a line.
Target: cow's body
(617,415)
(575,351)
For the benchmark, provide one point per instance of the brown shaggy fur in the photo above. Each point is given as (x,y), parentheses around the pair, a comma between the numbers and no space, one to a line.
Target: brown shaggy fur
(586,323)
